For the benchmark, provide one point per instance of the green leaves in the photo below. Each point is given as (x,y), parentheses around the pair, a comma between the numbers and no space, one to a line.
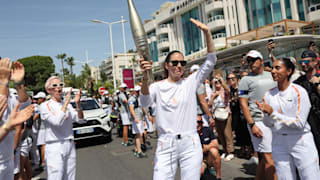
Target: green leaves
(37,70)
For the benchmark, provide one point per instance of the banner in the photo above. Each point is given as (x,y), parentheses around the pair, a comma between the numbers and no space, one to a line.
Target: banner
(127,75)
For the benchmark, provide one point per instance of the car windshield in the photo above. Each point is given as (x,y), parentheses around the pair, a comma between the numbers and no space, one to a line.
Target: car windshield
(87,104)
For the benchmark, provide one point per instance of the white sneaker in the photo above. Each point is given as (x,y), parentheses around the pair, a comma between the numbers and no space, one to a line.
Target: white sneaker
(229,157)
(223,155)
(252,160)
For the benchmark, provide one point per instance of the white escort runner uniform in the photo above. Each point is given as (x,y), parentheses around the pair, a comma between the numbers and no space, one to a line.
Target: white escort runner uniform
(7,145)
(176,114)
(60,154)
(124,109)
(292,143)
(137,128)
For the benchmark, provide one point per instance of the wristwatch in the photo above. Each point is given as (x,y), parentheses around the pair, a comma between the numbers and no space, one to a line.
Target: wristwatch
(251,125)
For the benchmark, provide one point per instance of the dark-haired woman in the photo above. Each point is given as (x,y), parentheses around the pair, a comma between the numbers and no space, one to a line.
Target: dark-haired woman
(286,109)
(176,113)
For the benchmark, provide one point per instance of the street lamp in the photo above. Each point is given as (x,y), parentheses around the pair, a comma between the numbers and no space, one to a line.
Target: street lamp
(111,43)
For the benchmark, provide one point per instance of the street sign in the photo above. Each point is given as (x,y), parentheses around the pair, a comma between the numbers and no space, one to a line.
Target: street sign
(101,90)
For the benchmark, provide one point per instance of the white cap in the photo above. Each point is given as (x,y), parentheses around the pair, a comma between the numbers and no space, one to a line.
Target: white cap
(137,88)
(254,54)
(40,95)
(117,91)
(123,85)
(194,68)
(105,92)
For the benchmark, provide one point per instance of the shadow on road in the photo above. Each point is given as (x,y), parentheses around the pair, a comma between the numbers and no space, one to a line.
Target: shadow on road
(91,142)
(249,169)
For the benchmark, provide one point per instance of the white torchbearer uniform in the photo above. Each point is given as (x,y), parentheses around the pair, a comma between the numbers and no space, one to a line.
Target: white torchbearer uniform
(60,154)
(7,145)
(292,142)
(176,111)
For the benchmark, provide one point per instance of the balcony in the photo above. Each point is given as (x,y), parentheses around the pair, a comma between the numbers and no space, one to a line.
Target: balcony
(314,13)
(163,29)
(219,40)
(163,43)
(216,22)
(213,5)
(162,56)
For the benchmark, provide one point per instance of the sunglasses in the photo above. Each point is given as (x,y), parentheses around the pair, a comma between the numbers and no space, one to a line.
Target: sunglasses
(199,122)
(250,59)
(229,78)
(57,85)
(176,62)
(304,61)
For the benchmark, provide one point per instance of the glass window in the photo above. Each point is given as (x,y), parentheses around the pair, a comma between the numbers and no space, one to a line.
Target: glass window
(254,14)
(276,7)
(191,34)
(288,9)
(248,15)
(300,10)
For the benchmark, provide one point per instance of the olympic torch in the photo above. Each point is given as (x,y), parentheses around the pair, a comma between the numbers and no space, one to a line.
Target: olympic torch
(139,36)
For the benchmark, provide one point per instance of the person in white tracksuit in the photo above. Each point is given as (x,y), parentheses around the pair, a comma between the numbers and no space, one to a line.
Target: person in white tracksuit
(58,116)
(7,134)
(176,113)
(286,109)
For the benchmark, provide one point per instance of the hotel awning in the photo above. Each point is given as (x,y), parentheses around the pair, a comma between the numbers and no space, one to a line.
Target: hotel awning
(283,26)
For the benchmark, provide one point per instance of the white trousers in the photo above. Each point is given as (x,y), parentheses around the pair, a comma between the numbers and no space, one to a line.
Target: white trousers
(6,170)
(295,151)
(61,160)
(171,151)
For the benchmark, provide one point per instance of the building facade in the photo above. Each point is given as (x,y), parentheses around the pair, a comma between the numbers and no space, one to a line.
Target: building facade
(170,27)
(121,61)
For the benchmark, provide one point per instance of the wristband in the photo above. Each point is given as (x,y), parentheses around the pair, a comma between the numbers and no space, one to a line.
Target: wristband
(251,125)
(4,84)
(18,83)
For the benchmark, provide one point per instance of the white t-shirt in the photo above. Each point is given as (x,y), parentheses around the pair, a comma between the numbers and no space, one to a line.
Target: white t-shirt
(176,103)
(58,125)
(6,146)
(290,110)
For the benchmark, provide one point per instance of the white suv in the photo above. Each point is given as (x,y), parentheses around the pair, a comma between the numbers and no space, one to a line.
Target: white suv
(98,121)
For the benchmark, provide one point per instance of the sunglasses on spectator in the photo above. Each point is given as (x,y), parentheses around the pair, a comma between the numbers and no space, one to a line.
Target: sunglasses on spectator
(304,61)
(57,85)
(251,59)
(229,78)
(199,122)
(176,62)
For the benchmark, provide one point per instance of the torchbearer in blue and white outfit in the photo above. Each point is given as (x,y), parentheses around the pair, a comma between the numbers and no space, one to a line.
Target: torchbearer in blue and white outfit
(286,109)
(58,116)
(176,111)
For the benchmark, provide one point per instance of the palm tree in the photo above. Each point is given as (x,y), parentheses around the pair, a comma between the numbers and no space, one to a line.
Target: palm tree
(70,62)
(62,57)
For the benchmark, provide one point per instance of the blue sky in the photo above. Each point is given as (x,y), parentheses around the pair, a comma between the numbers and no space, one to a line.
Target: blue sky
(51,27)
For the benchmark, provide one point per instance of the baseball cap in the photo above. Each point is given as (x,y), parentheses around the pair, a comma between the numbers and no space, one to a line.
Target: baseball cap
(117,91)
(105,92)
(40,95)
(254,54)
(123,85)
(131,89)
(308,54)
(194,68)
(137,88)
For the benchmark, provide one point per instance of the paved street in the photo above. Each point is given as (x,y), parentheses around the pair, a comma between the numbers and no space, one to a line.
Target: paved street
(112,161)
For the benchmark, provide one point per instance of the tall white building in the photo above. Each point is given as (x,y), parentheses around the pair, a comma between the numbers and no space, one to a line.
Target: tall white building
(95,73)
(170,28)
(121,61)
